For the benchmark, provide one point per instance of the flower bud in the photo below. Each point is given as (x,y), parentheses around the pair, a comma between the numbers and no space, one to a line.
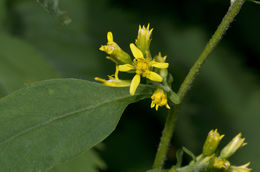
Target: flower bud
(159,98)
(221,163)
(242,168)
(160,59)
(232,146)
(211,142)
(116,54)
(143,39)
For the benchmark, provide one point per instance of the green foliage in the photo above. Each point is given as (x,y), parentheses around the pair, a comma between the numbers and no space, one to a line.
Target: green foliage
(87,161)
(52,6)
(51,121)
(226,95)
(20,64)
(231,104)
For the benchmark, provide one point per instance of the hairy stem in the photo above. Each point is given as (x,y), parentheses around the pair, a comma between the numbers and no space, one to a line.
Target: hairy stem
(186,84)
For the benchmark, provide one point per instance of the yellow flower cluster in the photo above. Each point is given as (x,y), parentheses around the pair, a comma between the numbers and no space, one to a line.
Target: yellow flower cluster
(142,65)
(159,98)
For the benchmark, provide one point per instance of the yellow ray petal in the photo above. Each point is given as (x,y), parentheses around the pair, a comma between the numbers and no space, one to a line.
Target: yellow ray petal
(136,52)
(125,67)
(100,79)
(109,37)
(152,104)
(134,84)
(159,65)
(154,76)
(112,82)
(156,107)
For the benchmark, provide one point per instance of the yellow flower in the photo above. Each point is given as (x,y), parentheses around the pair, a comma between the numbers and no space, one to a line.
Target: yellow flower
(143,38)
(142,67)
(159,98)
(117,55)
(114,81)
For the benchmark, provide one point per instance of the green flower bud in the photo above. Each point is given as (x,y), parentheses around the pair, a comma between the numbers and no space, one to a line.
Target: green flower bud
(211,142)
(221,163)
(232,146)
(143,38)
(116,54)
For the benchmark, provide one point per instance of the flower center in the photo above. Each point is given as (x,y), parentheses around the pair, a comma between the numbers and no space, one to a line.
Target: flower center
(142,65)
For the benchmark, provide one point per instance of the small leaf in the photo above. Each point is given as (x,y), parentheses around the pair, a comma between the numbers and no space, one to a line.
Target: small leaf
(52,6)
(187,151)
(51,121)
(255,1)
(173,97)
(179,157)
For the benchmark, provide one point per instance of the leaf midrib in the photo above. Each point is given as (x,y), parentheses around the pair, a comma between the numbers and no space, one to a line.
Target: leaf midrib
(68,114)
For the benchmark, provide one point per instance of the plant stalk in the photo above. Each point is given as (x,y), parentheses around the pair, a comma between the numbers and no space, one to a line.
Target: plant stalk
(186,84)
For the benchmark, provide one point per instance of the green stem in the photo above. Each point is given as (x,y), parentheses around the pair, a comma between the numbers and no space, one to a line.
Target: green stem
(173,114)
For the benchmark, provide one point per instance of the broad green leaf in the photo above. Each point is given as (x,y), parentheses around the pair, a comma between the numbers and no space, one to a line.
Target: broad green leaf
(51,121)
(20,64)
(52,6)
(87,161)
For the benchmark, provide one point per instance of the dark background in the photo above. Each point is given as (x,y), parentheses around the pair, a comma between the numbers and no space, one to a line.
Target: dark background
(226,94)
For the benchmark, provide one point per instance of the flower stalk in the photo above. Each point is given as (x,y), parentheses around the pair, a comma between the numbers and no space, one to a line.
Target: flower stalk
(173,113)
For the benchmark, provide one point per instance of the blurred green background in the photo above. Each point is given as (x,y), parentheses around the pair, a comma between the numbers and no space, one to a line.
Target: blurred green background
(35,46)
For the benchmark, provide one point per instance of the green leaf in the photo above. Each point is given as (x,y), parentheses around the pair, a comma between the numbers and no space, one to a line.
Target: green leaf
(20,64)
(179,157)
(51,121)
(87,161)
(52,7)
(187,151)
(255,1)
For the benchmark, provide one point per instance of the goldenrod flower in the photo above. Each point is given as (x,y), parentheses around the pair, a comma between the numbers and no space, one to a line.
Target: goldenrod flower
(114,81)
(242,168)
(117,55)
(143,39)
(211,142)
(159,98)
(142,67)
(236,143)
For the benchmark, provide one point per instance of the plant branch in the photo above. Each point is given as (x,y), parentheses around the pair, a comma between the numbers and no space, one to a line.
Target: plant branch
(173,114)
